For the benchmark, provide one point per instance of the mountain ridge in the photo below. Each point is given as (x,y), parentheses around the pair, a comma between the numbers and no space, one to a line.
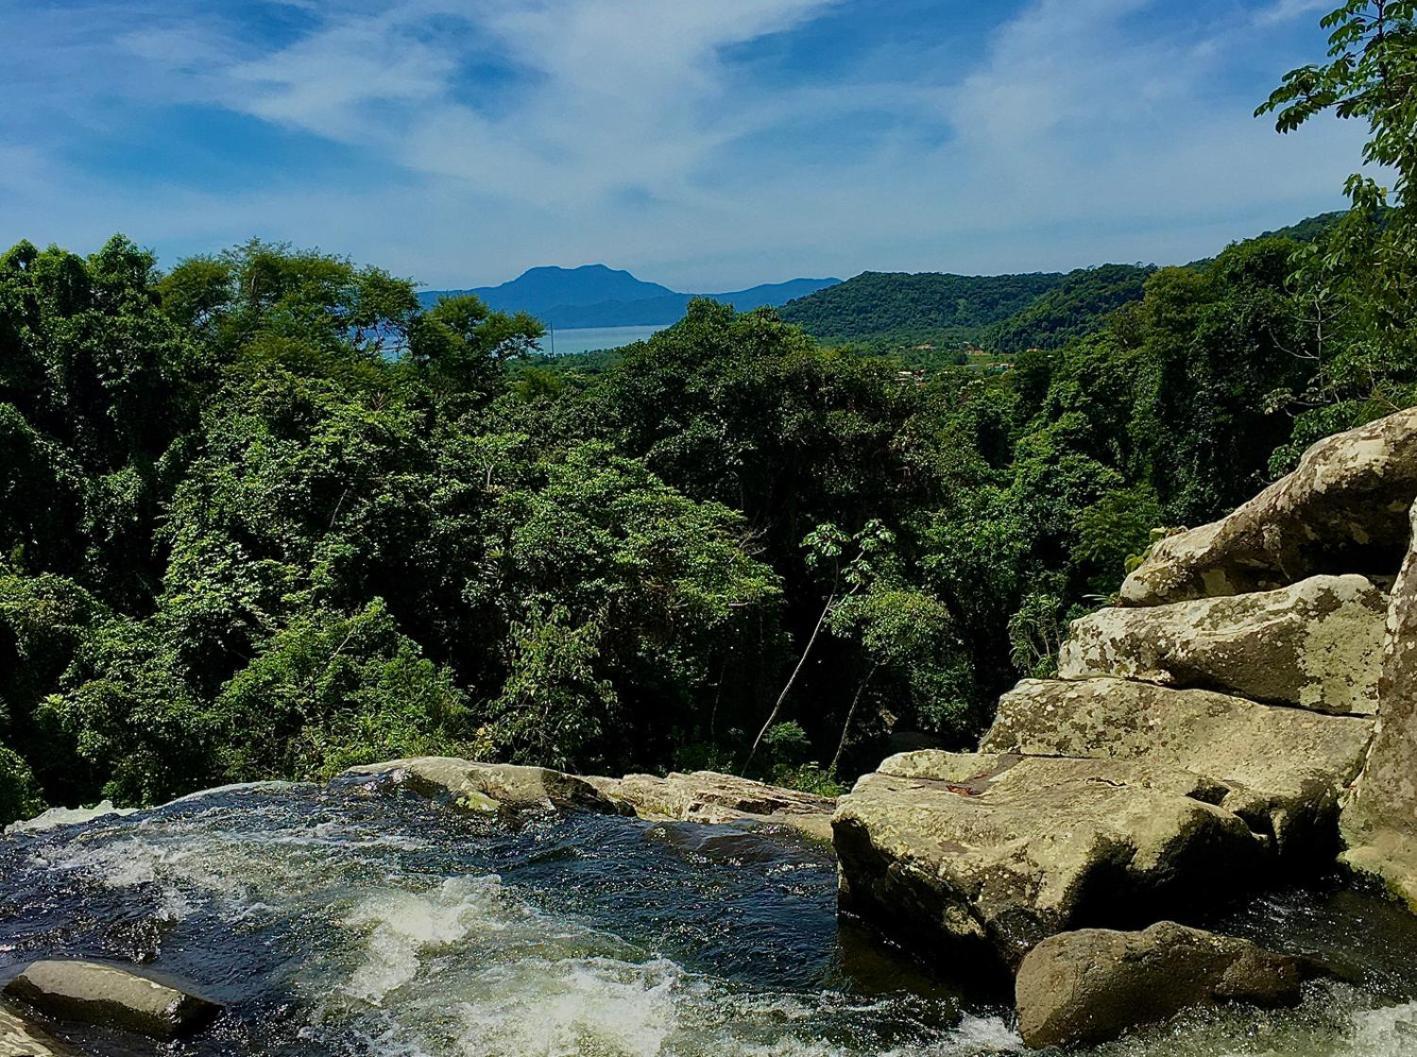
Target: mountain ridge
(596,295)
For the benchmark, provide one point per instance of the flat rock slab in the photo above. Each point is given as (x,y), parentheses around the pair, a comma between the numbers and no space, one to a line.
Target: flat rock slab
(711,797)
(1344,508)
(1379,821)
(1285,767)
(99,993)
(19,1038)
(1095,984)
(978,854)
(491,787)
(1316,645)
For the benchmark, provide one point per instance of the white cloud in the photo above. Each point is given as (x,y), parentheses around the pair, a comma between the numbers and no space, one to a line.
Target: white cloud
(1281,11)
(629,137)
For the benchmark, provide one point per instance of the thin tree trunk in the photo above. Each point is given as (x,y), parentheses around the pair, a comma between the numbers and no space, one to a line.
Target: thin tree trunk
(850,715)
(777,708)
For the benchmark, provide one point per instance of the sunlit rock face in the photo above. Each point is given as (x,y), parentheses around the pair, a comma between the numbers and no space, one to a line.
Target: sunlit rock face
(1284,768)
(977,855)
(1316,645)
(1200,741)
(1343,510)
(1379,820)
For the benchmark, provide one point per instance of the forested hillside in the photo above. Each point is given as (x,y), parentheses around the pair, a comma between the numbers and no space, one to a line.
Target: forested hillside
(1076,307)
(263,516)
(926,304)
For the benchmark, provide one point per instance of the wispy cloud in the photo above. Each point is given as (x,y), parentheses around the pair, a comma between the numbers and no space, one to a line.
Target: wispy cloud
(504,133)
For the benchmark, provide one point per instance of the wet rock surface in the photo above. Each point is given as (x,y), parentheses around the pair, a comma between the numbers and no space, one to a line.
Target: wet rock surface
(19,1038)
(487,788)
(1316,645)
(1343,510)
(110,995)
(987,854)
(1092,985)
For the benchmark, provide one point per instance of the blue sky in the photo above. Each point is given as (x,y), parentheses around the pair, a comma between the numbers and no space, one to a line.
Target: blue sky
(707,144)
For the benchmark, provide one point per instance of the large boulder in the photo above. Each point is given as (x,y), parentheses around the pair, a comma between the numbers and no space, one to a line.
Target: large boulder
(111,996)
(489,787)
(707,796)
(1343,510)
(1092,985)
(1379,820)
(1285,767)
(1315,644)
(20,1038)
(975,854)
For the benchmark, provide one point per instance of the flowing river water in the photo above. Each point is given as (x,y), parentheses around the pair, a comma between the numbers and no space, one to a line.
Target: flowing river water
(335,921)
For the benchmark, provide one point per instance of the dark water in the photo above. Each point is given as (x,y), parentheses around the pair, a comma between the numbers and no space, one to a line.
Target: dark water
(334,921)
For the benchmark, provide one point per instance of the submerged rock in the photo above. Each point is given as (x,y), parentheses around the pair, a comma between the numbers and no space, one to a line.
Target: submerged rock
(989,854)
(1343,509)
(1316,644)
(1285,768)
(19,1038)
(490,787)
(707,796)
(97,993)
(1379,820)
(1093,985)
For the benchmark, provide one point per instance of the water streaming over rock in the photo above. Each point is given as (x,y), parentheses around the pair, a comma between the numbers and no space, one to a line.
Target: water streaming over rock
(332,921)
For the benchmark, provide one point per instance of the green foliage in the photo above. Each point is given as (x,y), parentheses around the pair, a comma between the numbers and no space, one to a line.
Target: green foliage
(1073,309)
(264,516)
(881,303)
(786,750)
(19,793)
(332,691)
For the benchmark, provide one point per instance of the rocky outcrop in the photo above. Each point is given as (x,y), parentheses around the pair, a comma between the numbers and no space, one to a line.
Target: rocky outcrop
(1091,986)
(1343,510)
(981,854)
(1284,768)
(707,796)
(1379,821)
(1315,644)
(1202,739)
(487,788)
(98,993)
(19,1038)
(703,796)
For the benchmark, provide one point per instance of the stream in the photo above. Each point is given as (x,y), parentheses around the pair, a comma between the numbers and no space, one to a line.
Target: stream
(331,920)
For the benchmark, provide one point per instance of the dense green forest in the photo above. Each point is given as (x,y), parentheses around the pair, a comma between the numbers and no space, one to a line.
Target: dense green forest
(927,304)
(1073,309)
(262,515)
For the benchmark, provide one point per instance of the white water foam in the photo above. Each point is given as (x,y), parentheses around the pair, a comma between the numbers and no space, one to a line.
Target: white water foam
(67,816)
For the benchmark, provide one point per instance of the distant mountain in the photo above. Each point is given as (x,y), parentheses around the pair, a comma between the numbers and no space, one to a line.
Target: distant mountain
(596,296)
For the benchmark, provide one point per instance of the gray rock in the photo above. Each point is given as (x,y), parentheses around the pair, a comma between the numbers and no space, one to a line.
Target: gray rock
(19,1038)
(1285,767)
(1344,508)
(707,796)
(1093,985)
(1379,819)
(986,855)
(1315,644)
(491,787)
(99,993)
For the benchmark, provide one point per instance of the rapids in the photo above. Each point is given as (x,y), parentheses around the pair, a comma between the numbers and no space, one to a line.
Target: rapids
(332,921)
